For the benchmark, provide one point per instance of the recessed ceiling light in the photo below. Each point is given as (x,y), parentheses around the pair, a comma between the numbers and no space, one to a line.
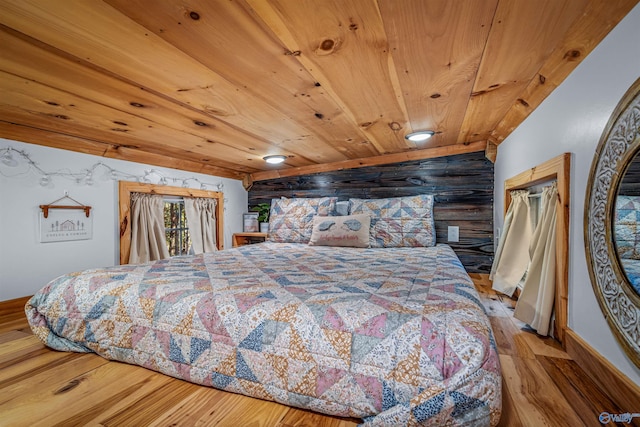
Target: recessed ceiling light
(419,136)
(274,160)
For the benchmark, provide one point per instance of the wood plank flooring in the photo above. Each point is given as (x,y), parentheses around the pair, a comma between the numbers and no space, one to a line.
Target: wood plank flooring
(542,386)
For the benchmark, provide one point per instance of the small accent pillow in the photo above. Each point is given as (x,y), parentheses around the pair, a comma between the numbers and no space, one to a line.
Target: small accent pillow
(342,208)
(627,226)
(398,221)
(352,230)
(291,220)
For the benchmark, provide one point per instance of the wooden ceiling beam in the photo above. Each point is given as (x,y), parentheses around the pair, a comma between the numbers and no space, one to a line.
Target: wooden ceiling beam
(491,152)
(427,153)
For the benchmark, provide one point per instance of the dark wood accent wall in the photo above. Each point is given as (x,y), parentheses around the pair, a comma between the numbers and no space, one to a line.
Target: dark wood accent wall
(630,183)
(462,186)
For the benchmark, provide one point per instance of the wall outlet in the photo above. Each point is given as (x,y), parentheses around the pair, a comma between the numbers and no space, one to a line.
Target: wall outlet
(453,233)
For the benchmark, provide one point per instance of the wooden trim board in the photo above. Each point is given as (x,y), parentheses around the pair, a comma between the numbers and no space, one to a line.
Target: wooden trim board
(12,317)
(558,168)
(427,153)
(609,378)
(13,305)
(125,189)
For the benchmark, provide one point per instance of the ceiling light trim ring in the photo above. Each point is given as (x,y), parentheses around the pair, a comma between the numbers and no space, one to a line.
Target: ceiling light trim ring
(419,136)
(275,159)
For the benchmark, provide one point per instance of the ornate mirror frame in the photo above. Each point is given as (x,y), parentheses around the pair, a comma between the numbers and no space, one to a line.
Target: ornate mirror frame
(618,145)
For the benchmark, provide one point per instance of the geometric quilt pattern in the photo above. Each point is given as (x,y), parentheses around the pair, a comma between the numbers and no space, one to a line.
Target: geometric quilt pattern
(627,237)
(398,221)
(631,269)
(291,219)
(393,336)
(627,226)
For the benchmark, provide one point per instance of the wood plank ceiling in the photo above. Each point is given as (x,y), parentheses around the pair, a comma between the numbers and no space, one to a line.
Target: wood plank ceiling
(212,86)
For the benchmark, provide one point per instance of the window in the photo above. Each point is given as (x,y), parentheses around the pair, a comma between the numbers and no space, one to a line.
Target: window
(124,195)
(175,227)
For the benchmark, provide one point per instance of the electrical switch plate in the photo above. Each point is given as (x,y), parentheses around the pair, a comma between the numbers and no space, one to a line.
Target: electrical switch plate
(453,233)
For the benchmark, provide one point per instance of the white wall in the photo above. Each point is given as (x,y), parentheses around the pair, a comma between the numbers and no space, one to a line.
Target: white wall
(26,265)
(572,119)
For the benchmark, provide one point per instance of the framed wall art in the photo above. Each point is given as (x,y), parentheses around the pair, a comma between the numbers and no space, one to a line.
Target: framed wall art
(59,222)
(250,222)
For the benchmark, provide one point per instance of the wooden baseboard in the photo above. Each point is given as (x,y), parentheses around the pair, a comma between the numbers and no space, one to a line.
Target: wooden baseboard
(618,386)
(13,305)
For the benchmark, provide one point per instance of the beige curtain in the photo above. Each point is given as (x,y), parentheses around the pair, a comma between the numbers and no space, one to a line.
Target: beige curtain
(535,304)
(148,242)
(201,220)
(512,256)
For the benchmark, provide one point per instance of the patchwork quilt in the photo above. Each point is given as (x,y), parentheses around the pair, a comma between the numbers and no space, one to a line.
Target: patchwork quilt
(394,336)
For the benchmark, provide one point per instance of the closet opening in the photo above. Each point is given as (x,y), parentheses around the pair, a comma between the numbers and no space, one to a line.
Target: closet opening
(535,240)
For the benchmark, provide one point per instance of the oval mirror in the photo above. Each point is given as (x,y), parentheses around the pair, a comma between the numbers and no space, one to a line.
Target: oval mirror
(609,207)
(626,224)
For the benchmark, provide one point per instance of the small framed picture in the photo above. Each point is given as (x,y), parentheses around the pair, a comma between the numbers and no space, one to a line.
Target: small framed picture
(250,222)
(60,226)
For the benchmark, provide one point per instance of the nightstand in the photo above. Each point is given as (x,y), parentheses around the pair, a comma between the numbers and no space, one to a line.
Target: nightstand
(241,239)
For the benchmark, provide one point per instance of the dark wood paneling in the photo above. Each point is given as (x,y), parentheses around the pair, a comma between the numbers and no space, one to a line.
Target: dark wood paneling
(462,186)
(630,184)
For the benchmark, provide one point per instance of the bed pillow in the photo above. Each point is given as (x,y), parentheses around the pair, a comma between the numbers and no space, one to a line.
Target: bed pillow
(627,226)
(291,220)
(398,221)
(351,230)
(342,208)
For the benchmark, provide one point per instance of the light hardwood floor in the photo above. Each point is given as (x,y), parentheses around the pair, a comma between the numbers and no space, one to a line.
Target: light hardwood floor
(542,386)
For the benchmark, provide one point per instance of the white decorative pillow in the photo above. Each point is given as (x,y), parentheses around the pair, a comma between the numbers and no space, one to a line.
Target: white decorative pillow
(290,220)
(352,230)
(398,221)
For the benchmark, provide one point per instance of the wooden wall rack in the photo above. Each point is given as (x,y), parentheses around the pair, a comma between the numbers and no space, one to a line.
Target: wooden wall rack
(52,205)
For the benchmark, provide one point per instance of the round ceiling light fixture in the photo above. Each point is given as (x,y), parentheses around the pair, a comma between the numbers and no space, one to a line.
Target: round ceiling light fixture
(275,159)
(419,136)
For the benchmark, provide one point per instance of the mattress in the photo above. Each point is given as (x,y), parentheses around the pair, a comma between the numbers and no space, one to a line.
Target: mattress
(394,336)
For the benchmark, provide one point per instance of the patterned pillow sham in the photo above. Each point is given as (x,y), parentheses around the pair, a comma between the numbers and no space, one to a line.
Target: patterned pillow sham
(291,220)
(351,230)
(627,226)
(398,221)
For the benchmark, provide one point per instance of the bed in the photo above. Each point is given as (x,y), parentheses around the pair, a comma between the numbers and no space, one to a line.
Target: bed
(394,336)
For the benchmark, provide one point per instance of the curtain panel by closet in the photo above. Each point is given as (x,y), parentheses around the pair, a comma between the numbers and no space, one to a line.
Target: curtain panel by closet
(148,242)
(512,255)
(535,305)
(201,221)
